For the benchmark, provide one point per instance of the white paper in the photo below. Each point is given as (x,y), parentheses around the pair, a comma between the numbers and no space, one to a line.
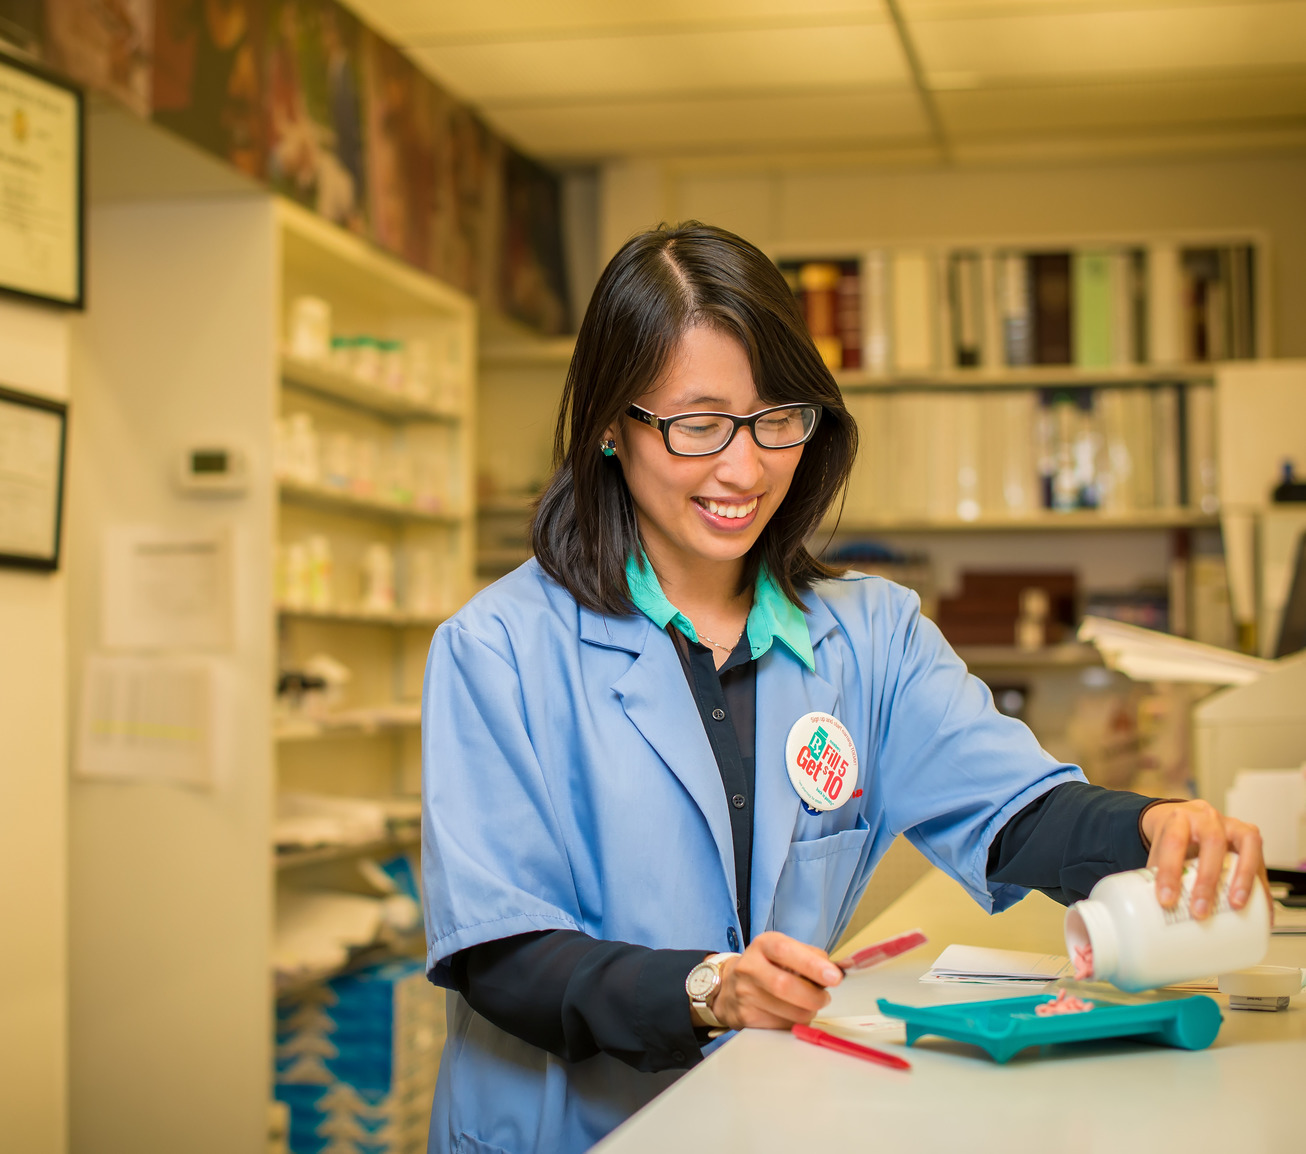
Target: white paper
(167,589)
(982,965)
(865,1028)
(29,479)
(1148,655)
(1275,801)
(146,719)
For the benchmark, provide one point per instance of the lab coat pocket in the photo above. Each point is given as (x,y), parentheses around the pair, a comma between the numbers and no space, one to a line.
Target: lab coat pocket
(814,884)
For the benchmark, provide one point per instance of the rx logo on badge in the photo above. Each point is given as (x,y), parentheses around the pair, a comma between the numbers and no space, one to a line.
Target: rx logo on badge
(822,762)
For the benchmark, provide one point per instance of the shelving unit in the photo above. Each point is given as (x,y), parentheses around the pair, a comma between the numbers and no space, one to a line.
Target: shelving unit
(368,746)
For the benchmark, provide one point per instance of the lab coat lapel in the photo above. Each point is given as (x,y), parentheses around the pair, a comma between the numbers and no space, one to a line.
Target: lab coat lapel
(785,692)
(658,701)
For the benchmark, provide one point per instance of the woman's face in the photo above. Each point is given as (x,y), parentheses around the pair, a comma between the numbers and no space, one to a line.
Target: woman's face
(702,509)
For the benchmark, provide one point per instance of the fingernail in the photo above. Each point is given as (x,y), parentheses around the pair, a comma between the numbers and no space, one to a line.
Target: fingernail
(1167,895)
(1239,896)
(1200,907)
(831,975)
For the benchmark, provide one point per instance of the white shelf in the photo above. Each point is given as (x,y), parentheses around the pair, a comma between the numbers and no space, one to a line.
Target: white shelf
(1028,377)
(337,386)
(355,723)
(337,500)
(394,620)
(1070,656)
(1078,519)
(300,858)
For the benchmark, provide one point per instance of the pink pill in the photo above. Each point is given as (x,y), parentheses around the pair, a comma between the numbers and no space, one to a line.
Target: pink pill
(1083,963)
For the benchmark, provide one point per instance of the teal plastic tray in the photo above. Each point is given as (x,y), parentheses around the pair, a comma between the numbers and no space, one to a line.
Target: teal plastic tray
(1007,1026)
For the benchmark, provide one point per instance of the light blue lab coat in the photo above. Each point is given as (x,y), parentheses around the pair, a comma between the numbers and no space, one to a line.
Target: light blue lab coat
(569,784)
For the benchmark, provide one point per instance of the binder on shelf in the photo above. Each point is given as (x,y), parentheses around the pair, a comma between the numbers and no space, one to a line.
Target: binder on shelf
(1203,487)
(876,309)
(1128,308)
(1094,308)
(1164,298)
(991,354)
(1165,441)
(1017,313)
(914,309)
(967,310)
(1050,275)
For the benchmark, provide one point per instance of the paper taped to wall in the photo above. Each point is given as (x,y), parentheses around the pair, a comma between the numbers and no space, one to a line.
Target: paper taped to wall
(146,719)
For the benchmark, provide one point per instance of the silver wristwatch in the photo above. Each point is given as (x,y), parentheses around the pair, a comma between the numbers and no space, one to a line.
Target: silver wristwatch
(703,981)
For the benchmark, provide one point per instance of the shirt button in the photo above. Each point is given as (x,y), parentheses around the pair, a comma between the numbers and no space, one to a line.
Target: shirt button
(739,801)
(733,938)
(718,715)
(678,1056)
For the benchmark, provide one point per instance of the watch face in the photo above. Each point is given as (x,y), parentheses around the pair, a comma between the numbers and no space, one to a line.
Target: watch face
(701,980)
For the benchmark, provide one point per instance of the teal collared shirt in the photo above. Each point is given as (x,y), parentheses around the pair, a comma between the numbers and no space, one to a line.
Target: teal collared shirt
(773,616)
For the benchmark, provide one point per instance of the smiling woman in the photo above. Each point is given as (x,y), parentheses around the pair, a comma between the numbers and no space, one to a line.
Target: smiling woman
(661,760)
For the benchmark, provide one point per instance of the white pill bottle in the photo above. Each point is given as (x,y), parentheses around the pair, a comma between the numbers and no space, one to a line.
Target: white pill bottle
(1138,945)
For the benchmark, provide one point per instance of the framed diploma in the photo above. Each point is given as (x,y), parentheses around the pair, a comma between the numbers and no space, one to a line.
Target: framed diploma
(33,433)
(41,186)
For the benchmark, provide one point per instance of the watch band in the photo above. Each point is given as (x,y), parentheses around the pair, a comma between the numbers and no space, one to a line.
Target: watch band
(700,1003)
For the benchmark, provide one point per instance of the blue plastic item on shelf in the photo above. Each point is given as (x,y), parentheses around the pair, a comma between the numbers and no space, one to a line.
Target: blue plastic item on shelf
(1008,1025)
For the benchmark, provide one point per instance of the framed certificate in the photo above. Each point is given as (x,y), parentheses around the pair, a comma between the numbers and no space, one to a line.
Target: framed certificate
(33,434)
(41,186)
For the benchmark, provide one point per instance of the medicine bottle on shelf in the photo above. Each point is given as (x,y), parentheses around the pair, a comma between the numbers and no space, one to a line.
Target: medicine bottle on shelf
(1137,944)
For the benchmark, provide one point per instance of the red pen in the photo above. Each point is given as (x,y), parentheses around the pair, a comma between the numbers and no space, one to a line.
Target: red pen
(819,1037)
(874,955)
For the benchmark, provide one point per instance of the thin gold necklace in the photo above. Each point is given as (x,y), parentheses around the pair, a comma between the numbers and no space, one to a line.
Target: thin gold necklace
(718,645)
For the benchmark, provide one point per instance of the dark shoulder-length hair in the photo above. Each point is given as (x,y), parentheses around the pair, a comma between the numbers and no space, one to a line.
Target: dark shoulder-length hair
(660,284)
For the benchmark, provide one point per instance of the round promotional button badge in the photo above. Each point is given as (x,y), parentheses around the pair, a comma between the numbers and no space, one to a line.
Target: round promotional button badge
(822,762)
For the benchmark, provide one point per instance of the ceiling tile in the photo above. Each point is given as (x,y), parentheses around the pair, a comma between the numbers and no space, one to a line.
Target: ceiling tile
(720,125)
(665,64)
(518,19)
(1168,39)
(1133,107)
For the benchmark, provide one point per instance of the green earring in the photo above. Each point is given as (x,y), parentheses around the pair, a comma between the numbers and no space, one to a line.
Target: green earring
(608,448)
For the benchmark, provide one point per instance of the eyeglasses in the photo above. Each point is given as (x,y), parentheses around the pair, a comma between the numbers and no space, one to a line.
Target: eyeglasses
(702,434)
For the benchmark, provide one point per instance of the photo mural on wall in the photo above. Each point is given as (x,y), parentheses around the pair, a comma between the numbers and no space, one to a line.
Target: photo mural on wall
(303,96)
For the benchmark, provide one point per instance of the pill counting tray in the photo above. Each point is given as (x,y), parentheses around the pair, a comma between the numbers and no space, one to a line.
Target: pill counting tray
(1009,1025)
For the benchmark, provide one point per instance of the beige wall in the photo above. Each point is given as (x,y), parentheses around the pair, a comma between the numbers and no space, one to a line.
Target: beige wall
(1263,193)
(33,795)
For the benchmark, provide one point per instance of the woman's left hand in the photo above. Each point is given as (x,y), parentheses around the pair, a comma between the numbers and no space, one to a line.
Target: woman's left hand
(1176,831)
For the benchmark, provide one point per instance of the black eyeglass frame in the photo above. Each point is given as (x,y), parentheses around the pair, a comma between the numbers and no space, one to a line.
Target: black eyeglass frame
(663,426)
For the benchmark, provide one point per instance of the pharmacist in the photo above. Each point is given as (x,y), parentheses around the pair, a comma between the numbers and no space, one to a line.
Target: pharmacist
(662,759)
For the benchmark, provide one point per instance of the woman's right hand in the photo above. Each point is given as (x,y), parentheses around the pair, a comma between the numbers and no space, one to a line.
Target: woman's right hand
(774,983)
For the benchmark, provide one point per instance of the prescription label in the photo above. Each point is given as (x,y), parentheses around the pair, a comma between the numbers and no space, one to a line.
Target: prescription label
(822,761)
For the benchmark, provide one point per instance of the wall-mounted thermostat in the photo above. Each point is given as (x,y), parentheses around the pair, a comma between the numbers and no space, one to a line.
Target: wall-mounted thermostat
(219,470)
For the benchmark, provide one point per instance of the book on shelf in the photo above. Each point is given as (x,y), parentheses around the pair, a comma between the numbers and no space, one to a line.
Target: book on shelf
(1017,320)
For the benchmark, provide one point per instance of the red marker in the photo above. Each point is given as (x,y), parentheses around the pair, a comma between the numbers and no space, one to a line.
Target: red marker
(819,1037)
(873,955)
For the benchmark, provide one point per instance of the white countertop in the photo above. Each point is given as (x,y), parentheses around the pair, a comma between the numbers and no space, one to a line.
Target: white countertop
(766,1091)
